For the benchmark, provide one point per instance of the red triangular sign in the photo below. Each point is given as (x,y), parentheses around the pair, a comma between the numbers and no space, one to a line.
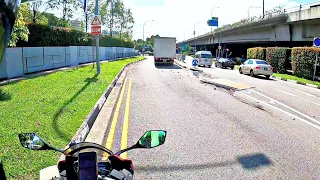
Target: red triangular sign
(96,21)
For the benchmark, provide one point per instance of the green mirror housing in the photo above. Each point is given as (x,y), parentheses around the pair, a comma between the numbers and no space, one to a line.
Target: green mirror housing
(32,141)
(152,138)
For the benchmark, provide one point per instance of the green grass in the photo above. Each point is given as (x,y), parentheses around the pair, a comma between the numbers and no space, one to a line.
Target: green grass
(54,106)
(237,66)
(295,78)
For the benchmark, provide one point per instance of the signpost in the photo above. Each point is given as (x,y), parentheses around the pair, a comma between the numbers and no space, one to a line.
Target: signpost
(194,62)
(96,31)
(316,43)
(213,21)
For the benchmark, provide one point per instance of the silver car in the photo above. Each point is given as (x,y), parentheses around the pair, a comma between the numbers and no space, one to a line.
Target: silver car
(256,67)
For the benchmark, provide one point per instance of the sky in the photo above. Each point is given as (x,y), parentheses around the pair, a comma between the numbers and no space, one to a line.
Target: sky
(176,18)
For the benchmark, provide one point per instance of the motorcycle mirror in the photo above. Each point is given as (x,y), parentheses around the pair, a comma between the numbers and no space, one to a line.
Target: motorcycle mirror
(33,141)
(152,139)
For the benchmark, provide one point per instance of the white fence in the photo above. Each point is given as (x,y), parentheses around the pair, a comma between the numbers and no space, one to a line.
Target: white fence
(21,61)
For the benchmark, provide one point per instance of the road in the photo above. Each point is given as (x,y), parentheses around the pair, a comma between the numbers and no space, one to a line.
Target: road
(214,133)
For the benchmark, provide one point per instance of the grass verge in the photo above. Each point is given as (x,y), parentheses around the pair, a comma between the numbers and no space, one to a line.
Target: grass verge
(54,106)
(295,78)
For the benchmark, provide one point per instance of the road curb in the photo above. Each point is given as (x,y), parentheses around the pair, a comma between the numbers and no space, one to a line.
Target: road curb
(217,84)
(185,67)
(87,124)
(297,82)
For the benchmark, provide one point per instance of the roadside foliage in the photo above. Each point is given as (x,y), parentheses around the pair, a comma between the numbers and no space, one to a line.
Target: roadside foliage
(42,35)
(301,63)
(303,60)
(277,57)
(256,53)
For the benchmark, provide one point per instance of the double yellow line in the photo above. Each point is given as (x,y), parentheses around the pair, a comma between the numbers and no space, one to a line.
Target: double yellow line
(115,119)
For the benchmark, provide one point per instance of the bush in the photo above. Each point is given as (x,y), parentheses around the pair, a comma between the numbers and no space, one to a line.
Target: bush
(238,62)
(42,35)
(277,57)
(303,59)
(256,53)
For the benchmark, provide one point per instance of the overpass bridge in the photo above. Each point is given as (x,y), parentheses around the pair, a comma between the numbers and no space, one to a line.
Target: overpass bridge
(289,29)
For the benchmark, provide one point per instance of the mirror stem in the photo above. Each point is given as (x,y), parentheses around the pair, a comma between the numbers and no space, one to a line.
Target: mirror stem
(127,149)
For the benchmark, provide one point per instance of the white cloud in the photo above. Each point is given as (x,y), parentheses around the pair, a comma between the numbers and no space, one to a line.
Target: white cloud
(173,17)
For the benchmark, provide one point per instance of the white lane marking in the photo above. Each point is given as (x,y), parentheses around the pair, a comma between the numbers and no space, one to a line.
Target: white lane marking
(297,117)
(130,70)
(311,101)
(285,92)
(306,116)
(299,96)
(305,93)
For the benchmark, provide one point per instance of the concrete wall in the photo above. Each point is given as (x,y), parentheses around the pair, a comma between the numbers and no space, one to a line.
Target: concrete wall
(311,13)
(20,61)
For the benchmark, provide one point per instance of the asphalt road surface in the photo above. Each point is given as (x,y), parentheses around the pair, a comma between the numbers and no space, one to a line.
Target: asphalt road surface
(214,133)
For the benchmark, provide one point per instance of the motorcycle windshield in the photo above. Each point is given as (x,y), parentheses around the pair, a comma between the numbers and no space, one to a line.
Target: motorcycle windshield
(75,149)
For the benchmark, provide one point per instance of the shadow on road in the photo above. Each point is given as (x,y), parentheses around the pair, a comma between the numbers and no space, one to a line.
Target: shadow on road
(4,96)
(60,133)
(251,162)
(167,67)
(263,77)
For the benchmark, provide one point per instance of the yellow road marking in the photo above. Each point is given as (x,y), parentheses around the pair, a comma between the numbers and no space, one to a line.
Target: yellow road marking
(110,139)
(125,127)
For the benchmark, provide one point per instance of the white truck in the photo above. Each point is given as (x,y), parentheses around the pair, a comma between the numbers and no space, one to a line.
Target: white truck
(164,50)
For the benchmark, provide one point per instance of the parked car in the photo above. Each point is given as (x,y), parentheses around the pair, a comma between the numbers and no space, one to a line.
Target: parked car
(224,63)
(256,67)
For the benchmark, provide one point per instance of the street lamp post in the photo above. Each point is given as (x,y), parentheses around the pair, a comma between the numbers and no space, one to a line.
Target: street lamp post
(211,15)
(194,35)
(250,8)
(143,34)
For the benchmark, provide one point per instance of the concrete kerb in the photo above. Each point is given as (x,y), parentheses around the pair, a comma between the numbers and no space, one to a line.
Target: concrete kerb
(88,122)
(84,129)
(297,82)
(217,84)
(185,67)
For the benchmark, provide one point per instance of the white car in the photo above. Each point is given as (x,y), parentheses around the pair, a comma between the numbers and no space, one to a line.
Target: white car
(256,67)
(204,58)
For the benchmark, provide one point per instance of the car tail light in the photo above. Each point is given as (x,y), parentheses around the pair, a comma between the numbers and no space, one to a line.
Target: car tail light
(172,59)
(258,67)
(157,59)
(272,69)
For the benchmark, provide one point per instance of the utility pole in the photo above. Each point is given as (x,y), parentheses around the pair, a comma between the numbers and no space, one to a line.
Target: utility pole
(194,35)
(86,22)
(111,21)
(262,8)
(97,42)
(64,9)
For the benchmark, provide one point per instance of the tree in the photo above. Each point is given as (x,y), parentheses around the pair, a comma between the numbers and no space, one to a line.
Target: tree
(20,30)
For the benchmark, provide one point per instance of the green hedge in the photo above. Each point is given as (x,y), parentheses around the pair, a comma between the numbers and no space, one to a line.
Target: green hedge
(256,53)
(42,35)
(303,59)
(277,57)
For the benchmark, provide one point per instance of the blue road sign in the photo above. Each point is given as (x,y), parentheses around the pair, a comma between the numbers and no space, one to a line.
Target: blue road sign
(316,42)
(194,62)
(212,22)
